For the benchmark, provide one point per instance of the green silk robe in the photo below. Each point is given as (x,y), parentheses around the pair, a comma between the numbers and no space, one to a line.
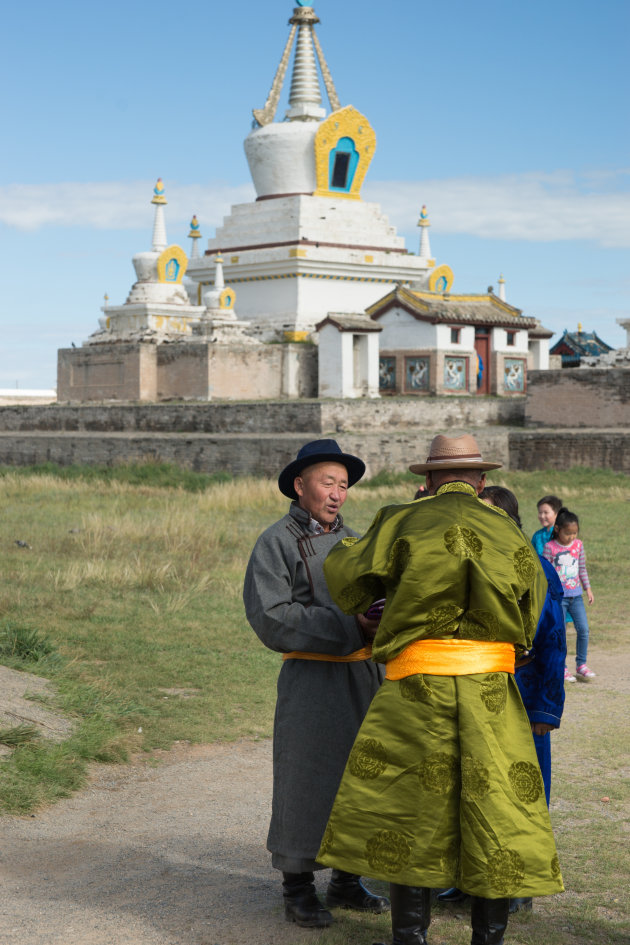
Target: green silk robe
(442,787)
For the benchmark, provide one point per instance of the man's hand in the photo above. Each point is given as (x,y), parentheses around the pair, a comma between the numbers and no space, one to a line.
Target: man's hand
(541,728)
(368,627)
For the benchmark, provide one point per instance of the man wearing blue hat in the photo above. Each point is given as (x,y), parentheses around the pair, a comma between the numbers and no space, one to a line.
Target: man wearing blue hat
(327,679)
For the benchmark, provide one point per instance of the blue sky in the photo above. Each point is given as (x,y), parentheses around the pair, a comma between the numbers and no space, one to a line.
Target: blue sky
(509,120)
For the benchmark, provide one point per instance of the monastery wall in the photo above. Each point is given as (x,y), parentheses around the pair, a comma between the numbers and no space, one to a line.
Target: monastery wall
(257,438)
(306,416)
(561,449)
(578,397)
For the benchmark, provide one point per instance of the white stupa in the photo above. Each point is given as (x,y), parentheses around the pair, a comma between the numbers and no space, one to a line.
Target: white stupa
(158,305)
(309,244)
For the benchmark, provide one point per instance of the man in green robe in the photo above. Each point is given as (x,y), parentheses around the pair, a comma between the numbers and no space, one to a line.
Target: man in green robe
(442,787)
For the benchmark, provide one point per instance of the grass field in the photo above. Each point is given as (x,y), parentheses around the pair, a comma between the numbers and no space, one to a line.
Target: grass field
(125,590)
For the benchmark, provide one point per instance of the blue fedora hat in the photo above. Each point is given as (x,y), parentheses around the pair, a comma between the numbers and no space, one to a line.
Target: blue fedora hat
(319,451)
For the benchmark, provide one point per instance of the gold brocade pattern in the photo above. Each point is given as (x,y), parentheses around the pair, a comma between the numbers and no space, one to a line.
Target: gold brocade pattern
(494,693)
(415,689)
(387,851)
(397,561)
(479,625)
(475,779)
(327,840)
(524,565)
(349,540)
(449,860)
(439,773)
(443,619)
(526,781)
(506,871)
(555,866)
(368,759)
(463,541)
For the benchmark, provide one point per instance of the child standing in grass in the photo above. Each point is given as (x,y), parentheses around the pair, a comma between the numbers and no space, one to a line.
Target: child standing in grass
(548,507)
(565,551)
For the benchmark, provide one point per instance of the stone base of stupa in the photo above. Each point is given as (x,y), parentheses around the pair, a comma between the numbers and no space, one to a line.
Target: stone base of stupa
(193,369)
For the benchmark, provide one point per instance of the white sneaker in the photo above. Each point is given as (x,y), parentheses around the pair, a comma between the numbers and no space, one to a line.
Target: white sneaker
(568,675)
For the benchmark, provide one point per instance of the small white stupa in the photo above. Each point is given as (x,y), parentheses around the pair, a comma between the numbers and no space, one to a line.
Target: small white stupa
(158,306)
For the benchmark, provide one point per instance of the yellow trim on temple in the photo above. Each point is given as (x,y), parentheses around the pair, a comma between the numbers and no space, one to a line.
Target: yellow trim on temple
(440,272)
(171,253)
(344,123)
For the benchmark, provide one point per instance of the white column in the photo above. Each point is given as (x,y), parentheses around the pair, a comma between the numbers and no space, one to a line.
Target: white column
(159,230)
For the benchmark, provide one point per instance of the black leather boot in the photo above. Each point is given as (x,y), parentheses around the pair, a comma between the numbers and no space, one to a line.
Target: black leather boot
(489,919)
(452,895)
(301,904)
(347,890)
(411,914)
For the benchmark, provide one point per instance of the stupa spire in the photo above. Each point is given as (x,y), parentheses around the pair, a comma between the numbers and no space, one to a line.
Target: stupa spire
(424,224)
(502,288)
(219,281)
(194,235)
(159,226)
(305,98)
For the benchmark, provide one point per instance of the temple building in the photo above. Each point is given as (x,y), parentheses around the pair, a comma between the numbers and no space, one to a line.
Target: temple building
(331,302)
(575,347)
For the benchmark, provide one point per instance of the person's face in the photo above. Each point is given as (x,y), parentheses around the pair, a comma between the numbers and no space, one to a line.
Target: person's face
(568,533)
(546,515)
(322,490)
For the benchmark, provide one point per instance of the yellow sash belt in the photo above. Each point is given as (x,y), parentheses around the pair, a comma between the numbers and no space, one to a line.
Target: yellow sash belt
(452,658)
(363,654)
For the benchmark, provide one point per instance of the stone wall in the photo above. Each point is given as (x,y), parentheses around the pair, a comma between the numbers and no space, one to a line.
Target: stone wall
(578,397)
(562,449)
(257,438)
(319,416)
(262,454)
(148,372)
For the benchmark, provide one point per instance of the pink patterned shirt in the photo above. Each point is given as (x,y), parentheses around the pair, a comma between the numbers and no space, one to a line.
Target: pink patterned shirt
(570,563)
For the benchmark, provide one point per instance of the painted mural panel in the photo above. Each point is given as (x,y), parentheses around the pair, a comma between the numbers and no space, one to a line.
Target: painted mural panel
(455,374)
(387,373)
(417,374)
(514,375)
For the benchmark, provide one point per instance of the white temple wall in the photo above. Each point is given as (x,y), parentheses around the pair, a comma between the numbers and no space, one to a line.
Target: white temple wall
(402,331)
(466,341)
(499,341)
(539,354)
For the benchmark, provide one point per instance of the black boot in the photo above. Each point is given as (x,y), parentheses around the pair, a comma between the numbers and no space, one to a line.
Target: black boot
(411,914)
(301,904)
(347,890)
(489,919)
(521,904)
(452,895)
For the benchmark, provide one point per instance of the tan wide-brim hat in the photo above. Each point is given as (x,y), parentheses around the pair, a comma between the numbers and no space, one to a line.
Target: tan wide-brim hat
(453,452)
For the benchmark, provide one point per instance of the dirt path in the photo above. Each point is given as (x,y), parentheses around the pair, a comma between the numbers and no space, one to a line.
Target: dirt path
(172,853)
(149,855)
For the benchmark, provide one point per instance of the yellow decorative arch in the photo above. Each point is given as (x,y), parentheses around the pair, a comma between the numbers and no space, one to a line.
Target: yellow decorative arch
(437,277)
(172,264)
(227,298)
(345,123)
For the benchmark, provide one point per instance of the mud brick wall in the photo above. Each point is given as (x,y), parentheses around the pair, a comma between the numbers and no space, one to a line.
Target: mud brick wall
(578,397)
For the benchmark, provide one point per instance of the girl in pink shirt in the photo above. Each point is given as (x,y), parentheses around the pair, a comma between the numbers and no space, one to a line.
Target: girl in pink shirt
(566,553)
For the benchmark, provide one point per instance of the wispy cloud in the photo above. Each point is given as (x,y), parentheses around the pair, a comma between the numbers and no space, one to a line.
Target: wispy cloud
(113,205)
(536,207)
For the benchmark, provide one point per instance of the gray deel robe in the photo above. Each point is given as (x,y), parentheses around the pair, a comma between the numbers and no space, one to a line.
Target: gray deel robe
(320,705)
